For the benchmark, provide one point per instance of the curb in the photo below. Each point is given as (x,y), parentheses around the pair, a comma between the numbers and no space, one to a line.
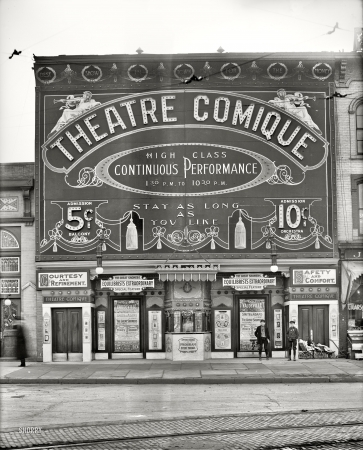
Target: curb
(212,380)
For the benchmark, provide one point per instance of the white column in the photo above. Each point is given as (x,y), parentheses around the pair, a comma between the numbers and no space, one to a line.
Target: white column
(47,333)
(87,332)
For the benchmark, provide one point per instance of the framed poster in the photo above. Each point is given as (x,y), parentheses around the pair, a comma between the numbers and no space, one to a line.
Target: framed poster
(251,311)
(222,330)
(155,330)
(127,326)
(278,328)
(101,316)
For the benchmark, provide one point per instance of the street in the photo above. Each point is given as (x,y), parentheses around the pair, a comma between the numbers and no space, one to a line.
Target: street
(46,405)
(205,405)
(182,416)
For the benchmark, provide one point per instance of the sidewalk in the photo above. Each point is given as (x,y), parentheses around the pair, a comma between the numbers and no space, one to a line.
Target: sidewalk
(221,371)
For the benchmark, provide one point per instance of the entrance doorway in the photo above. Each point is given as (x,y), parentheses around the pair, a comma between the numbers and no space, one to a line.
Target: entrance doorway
(67,334)
(251,309)
(314,323)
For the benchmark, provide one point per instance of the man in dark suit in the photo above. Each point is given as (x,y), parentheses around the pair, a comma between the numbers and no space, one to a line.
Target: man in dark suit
(292,336)
(263,338)
(20,342)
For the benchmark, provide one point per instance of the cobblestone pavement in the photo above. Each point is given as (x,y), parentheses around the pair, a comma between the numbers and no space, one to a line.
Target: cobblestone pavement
(244,431)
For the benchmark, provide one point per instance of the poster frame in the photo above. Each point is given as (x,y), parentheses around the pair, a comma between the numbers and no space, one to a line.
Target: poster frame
(265,298)
(141,325)
(232,325)
(163,324)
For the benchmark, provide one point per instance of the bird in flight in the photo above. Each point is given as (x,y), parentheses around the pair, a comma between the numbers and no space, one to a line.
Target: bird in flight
(335,27)
(16,53)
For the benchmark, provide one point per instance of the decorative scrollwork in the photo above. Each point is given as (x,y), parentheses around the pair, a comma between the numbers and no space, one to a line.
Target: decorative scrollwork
(87,177)
(292,237)
(212,231)
(195,237)
(317,231)
(268,231)
(79,239)
(159,232)
(176,237)
(103,233)
(54,235)
(282,175)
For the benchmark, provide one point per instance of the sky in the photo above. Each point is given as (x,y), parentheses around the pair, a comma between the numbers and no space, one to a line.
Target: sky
(82,27)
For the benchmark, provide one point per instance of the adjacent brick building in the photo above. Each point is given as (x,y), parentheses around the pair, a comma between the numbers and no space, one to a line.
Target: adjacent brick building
(18,280)
(349,136)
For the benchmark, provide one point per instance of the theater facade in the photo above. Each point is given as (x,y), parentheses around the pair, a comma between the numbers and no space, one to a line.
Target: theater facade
(180,199)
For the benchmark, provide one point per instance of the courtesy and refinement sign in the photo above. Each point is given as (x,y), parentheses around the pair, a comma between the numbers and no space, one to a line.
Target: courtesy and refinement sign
(55,280)
(183,166)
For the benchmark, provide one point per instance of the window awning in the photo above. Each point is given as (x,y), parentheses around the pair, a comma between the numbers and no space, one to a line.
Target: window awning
(187,272)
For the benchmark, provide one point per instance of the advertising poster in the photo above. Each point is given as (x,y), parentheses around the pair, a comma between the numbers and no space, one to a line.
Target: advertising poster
(157,164)
(101,316)
(127,326)
(251,312)
(222,328)
(278,328)
(155,336)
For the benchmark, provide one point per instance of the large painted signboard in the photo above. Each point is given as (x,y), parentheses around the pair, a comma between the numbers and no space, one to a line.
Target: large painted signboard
(207,166)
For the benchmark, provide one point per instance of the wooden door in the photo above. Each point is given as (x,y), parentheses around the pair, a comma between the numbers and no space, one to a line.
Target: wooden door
(321,324)
(67,334)
(314,323)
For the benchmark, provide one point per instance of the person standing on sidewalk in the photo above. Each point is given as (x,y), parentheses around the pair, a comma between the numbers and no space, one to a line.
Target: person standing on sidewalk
(292,337)
(20,342)
(263,339)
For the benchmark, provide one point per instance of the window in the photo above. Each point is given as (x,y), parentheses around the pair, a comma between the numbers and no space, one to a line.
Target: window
(355,305)
(360,207)
(357,205)
(355,111)
(359,124)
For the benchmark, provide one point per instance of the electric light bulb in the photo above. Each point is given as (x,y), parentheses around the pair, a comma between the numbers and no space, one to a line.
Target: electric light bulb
(99,270)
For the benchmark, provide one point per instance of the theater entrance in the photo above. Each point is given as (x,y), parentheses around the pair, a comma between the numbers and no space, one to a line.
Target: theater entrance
(67,334)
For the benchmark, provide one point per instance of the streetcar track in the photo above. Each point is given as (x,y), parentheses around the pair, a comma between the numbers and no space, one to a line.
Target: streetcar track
(189,434)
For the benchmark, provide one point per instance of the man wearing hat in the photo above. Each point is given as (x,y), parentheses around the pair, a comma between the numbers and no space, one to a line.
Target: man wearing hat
(292,337)
(263,338)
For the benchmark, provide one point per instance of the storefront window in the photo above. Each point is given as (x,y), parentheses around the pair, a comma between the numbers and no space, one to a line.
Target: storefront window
(360,207)
(188,325)
(176,322)
(355,306)
(198,322)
